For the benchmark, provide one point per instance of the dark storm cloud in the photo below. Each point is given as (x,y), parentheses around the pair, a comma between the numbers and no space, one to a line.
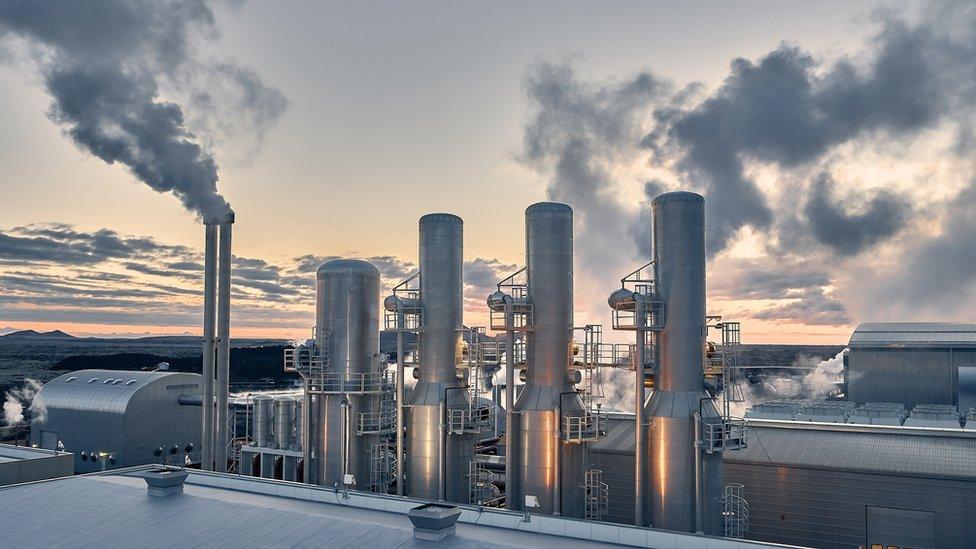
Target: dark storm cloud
(105,79)
(766,279)
(878,217)
(812,307)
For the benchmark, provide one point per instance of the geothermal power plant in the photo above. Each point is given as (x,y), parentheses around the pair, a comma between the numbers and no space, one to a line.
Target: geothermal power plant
(499,435)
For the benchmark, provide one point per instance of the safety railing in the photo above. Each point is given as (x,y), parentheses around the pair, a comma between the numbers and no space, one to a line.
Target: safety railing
(597,494)
(626,319)
(306,359)
(382,466)
(735,511)
(724,434)
(377,422)
(474,419)
(515,317)
(359,383)
(587,427)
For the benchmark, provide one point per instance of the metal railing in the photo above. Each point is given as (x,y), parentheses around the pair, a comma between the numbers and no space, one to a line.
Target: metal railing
(726,434)
(735,511)
(476,419)
(597,494)
(584,428)
(382,466)
(377,422)
(482,490)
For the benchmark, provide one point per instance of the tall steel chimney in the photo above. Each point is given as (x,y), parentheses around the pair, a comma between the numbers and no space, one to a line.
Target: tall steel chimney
(221,439)
(679,403)
(209,342)
(437,464)
(545,466)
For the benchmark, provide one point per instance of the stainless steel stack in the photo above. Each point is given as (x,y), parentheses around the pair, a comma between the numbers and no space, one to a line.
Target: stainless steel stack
(347,327)
(284,422)
(543,465)
(262,420)
(677,466)
(437,463)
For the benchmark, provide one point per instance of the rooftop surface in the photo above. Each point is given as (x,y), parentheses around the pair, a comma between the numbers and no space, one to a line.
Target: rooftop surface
(115,510)
(914,333)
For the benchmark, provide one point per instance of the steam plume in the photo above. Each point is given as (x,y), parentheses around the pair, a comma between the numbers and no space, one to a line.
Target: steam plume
(15,400)
(105,64)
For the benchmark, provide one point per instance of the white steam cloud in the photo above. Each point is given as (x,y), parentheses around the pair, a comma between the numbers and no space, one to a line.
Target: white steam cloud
(15,401)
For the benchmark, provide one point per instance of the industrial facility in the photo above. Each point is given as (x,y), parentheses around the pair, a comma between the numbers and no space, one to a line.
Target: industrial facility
(432,430)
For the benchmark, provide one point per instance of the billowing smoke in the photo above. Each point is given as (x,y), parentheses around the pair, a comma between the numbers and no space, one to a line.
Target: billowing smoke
(108,65)
(579,133)
(820,382)
(20,398)
(772,149)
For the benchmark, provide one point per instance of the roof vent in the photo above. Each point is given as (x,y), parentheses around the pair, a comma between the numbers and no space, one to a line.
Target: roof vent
(93,380)
(117,381)
(107,381)
(165,481)
(433,521)
(70,379)
(130,382)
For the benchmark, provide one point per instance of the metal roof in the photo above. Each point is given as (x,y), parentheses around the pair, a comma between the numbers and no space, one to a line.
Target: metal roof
(99,390)
(113,509)
(877,449)
(898,334)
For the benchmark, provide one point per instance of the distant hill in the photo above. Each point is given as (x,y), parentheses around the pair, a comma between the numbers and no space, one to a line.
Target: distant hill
(33,334)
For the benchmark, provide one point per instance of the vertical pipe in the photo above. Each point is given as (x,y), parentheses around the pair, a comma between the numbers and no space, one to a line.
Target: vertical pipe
(223,345)
(557,498)
(441,450)
(306,434)
(209,327)
(400,382)
(510,467)
(699,508)
(344,446)
(640,317)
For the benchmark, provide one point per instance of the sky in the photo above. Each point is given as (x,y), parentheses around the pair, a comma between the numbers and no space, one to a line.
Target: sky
(832,141)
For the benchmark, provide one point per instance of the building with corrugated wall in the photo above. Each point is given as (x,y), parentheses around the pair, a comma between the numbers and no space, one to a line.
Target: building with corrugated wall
(833,485)
(110,419)
(913,363)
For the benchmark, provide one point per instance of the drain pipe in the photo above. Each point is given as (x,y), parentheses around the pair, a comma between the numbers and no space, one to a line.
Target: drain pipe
(399,403)
(696,419)
(441,450)
(344,418)
(510,488)
(640,318)
(557,469)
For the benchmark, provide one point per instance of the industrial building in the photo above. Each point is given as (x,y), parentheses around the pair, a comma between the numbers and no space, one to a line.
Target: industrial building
(110,419)
(536,454)
(913,363)
(20,464)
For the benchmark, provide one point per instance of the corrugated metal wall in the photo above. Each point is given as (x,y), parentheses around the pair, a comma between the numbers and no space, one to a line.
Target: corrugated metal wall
(618,473)
(828,508)
(906,375)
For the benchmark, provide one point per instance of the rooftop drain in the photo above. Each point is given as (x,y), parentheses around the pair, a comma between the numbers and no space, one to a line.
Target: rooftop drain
(433,521)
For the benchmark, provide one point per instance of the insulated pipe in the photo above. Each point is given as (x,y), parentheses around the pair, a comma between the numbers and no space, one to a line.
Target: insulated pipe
(640,320)
(209,327)
(223,344)
(441,450)
(344,430)
(400,382)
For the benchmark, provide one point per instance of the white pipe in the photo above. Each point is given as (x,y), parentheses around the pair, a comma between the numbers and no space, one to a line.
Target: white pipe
(399,404)
(696,418)
(209,326)
(223,345)
(640,314)
(344,447)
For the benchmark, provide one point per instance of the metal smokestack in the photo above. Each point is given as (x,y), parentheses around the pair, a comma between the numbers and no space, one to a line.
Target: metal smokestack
(546,467)
(209,329)
(437,464)
(673,453)
(221,439)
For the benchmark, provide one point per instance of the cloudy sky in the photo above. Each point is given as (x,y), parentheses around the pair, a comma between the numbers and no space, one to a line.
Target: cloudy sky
(832,140)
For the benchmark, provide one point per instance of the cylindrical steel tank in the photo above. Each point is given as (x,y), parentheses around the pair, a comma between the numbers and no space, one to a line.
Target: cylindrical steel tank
(347,324)
(284,422)
(299,440)
(542,460)
(261,431)
(679,249)
(441,258)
